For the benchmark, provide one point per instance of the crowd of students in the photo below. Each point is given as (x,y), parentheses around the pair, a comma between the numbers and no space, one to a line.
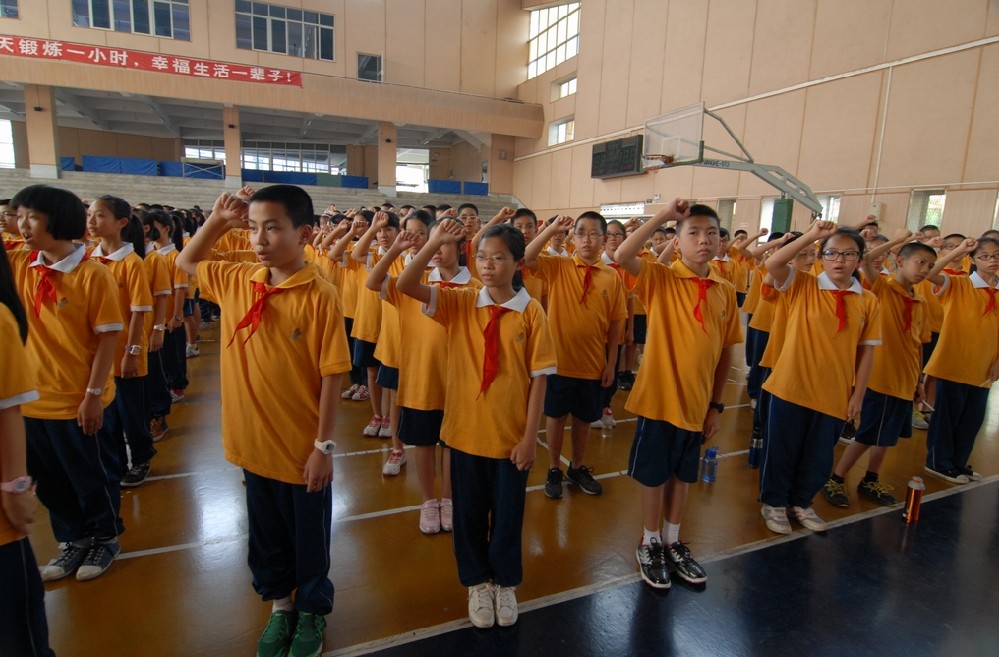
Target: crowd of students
(442,323)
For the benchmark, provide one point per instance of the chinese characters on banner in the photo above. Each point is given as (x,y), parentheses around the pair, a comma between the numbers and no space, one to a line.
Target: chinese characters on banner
(143,61)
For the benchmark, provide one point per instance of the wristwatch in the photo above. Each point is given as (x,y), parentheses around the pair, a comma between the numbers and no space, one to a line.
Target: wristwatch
(159,327)
(17,486)
(133,349)
(325,446)
(96,392)
(718,406)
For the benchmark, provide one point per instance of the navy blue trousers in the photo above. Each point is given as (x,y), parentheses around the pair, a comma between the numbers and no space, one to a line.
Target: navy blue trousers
(157,392)
(488,499)
(24,631)
(750,336)
(954,425)
(174,358)
(290,542)
(797,453)
(756,344)
(78,478)
(607,394)
(358,374)
(131,421)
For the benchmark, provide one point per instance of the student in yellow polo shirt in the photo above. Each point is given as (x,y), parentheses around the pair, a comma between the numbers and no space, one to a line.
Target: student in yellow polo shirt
(73,326)
(157,396)
(283,355)
(587,309)
(693,324)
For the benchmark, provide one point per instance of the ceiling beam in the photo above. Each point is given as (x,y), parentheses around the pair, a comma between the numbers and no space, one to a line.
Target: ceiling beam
(79,105)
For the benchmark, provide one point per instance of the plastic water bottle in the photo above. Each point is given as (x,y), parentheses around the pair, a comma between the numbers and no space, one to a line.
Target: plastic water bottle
(606,431)
(709,464)
(755,447)
(913,498)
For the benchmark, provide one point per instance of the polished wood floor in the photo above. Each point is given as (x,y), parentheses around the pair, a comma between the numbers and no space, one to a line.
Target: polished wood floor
(181,585)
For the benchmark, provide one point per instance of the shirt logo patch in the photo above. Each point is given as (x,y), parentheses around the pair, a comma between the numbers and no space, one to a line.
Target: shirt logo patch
(63,302)
(603,293)
(296,334)
(521,337)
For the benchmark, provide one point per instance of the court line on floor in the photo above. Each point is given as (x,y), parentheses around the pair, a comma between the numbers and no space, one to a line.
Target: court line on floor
(538,603)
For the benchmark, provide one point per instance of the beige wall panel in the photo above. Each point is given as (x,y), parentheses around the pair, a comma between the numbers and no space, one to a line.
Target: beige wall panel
(440,163)
(992,24)
(501,170)
(511,47)
(371,164)
(618,28)
(893,214)
(590,66)
(854,207)
(928,121)
(839,45)
(581,190)
(440,66)
(478,46)
(983,147)
(924,25)
(801,217)
(747,214)
(542,182)
(648,47)
(728,51)
(20,134)
(773,136)
(466,162)
(782,45)
(683,62)
(969,212)
(636,188)
(711,183)
(363,31)
(523,182)
(564,107)
(677,182)
(561,180)
(606,191)
(405,47)
(529,92)
(839,132)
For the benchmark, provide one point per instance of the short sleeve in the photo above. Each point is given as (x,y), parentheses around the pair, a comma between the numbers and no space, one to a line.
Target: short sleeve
(619,306)
(733,329)
(334,357)
(16,386)
(140,294)
(104,313)
(541,358)
(871,332)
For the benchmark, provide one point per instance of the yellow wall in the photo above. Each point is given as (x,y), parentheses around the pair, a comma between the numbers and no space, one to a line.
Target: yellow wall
(77,143)
(854,97)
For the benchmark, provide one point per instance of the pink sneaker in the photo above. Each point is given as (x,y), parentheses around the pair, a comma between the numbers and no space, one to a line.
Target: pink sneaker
(385,431)
(371,431)
(396,459)
(362,394)
(430,517)
(447,515)
(350,392)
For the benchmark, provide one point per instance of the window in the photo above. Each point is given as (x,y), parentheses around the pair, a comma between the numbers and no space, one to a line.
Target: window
(6,145)
(726,213)
(369,67)
(767,213)
(163,18)
(205,149)
(561,131)
(563,88)
(995,218)
(8,8)
(284,30)
(926,206)
(830,207)
(553,38)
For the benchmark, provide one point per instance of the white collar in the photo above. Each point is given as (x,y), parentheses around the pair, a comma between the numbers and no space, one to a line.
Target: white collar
(127,249)
(65,265)
(408,259)
(723,258)
(382,251)
(563,252)
(977,281)
(463,277)
(167,249)
(150,247)
(607,259)
(518,303)
(825,283)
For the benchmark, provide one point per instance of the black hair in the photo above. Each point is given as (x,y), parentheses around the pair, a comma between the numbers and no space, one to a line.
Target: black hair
(869,224)
(432,209)
(846,231)
(615,222)
(393,219)
(132,231)
(667,230)
(388,205)
(406,206)
(160,217)
(4,201)
(177,235)
(524,212)
(723,233)
(596,216)
(10,298)
(990,233)
(514,241)
(700,210)
(915,247)
(67,218)
(422,216)
(296,202)
(774,236)
(982,242)
(741,232)
(881,237)
(953,235)
(463,206)
(443,206)
(929,227)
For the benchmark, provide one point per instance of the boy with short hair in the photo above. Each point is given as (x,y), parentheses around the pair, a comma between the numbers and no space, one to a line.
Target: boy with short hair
(280,375)
(693,324)
(587,309)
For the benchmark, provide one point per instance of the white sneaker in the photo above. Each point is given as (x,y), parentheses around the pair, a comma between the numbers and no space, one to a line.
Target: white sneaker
(396,459)
(371,431)
(447,515)
(430,517)
(385,431)
(481,611)
(919,421)
(776,517)
(350,392)
(808,519)
(506,606)
(192,351)
(606,420)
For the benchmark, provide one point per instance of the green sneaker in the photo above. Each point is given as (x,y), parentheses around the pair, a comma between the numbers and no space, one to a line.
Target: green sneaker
(276,639)
(308,639)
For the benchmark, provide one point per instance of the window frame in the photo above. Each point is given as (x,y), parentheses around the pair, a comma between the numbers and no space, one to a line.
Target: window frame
(260,25)
(552,38)
(120,17)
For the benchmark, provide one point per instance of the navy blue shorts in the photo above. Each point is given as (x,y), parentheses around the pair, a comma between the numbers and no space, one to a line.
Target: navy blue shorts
(420,428)
(929,347)
(640,328)
(364,354)
(581,398)
(189,307)
(884,419)
(661,450)
(388,377)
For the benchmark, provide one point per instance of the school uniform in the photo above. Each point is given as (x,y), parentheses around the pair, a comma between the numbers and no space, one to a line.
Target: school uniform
(69,304)
(488,489)
(157,393)
(173,355)
(280,341)
(749,305)
(348,295)
(691,320)
(811,384)
(968,345)
(389,347)
(368,316)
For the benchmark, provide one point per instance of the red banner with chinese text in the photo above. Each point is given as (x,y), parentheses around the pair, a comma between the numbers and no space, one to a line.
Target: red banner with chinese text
(135,60)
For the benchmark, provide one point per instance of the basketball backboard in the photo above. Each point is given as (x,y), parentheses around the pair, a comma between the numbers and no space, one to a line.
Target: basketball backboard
(675,138)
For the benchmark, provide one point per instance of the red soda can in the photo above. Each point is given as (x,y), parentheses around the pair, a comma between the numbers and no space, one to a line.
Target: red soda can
(913,497)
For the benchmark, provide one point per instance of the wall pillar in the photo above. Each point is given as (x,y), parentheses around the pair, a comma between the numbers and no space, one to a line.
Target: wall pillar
(501,164)
(233,147)
(42,132)
(387,158)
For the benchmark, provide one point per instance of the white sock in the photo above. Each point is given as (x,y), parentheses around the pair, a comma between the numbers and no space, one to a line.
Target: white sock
(672,533)
(649,535)
(284,604)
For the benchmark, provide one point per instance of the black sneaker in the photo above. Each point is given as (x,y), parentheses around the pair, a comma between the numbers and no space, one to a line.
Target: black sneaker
(953,476)
(849,433)
(626,380)
(135,475)
(553,486)
(835,493)
(583,477)
(65,564)
(878,491)
(970,473)
(98,559)
(683,563)
(653,565)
